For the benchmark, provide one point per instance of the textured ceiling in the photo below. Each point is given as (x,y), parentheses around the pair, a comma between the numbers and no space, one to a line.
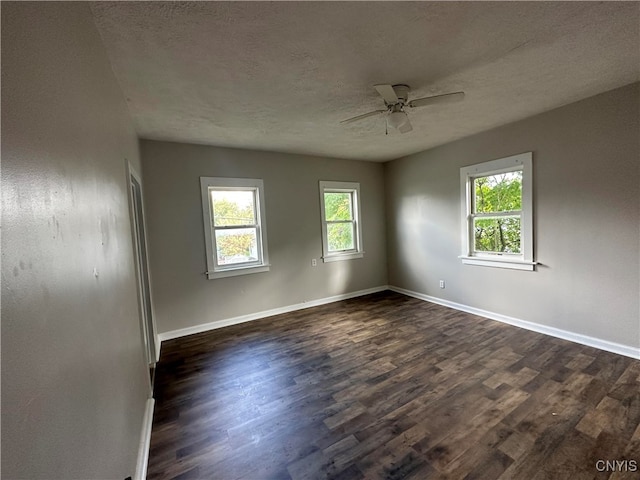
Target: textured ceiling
(281,75)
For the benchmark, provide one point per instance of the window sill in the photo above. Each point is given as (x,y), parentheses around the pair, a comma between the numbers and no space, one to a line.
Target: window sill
(342,256)
(514,264)
(233,272)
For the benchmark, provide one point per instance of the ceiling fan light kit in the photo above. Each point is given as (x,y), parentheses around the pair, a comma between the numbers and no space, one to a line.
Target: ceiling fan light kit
(396,98)
(397,119)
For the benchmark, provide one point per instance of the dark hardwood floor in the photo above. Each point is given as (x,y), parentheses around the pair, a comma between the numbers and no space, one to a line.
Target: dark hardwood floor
(390,387)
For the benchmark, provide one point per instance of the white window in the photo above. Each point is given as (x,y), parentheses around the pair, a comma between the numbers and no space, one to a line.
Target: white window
(497,217)
(234,226)
(340,213)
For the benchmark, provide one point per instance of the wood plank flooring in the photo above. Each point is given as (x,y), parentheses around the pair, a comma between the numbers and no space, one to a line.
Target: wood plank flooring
(390,387)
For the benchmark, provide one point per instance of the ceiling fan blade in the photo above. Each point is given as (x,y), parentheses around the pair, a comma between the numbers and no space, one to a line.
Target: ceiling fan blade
(364,115)
(437,99)
(388,93)
(405,127)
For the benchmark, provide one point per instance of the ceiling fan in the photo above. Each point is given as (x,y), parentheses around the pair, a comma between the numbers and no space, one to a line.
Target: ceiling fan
(395,99)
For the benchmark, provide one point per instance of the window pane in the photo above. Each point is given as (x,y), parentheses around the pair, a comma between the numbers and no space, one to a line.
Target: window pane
(233,207)
(498,193)
(237,245)
(337,206)
(497,234)
(340,236)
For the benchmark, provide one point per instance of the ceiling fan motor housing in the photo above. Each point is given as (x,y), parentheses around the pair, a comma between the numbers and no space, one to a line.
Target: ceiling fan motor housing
(402,92)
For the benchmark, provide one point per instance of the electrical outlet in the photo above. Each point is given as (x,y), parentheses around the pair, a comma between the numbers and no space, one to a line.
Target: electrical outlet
(314,262)
(441,283)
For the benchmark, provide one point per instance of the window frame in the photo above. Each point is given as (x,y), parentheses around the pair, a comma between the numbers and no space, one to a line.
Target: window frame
(255,185)
(523,260)
(353,188)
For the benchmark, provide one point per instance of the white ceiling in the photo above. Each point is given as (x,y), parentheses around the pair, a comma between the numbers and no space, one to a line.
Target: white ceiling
(281,75)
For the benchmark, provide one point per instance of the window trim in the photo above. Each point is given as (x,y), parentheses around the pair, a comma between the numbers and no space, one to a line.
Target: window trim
(522,261)
(224,183)
(354,189)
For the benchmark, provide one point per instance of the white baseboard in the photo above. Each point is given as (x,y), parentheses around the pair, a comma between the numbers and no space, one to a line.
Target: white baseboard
(626,350)
(145,440)
(205,327)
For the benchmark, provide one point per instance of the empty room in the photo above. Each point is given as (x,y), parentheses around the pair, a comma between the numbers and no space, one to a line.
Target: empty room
(320,240)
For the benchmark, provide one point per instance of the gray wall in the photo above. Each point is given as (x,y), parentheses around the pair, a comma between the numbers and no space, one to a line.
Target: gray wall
(183,296)
(74,383)
(586,216)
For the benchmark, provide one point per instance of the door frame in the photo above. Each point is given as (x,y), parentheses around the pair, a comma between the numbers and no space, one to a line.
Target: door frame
(141,260)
